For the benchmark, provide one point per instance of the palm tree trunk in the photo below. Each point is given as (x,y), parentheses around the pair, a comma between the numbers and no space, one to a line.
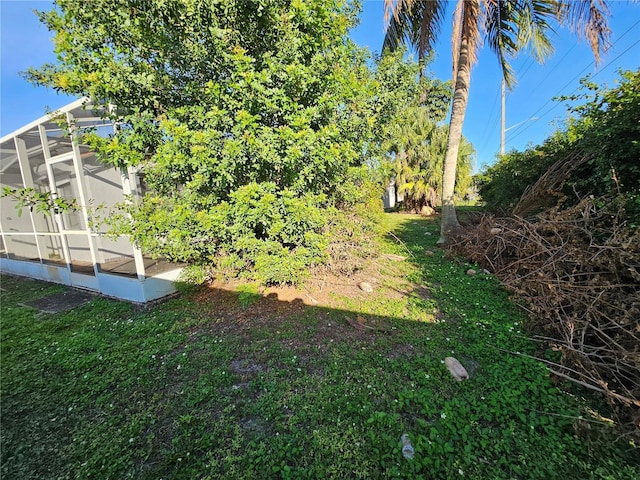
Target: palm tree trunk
(449,220)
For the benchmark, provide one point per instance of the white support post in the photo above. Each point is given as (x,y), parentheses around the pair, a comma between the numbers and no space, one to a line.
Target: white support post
(4,241)
(54,191)
(77,165)
(125,176)
(27,181)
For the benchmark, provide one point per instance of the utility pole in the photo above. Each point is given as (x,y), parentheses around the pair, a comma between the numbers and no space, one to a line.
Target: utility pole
(503,129)
(504,119)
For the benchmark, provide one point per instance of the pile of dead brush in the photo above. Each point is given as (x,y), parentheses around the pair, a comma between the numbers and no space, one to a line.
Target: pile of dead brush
(577,270)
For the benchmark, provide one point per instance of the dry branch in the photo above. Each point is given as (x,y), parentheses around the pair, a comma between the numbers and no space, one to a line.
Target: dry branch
(577,269)
(545,192)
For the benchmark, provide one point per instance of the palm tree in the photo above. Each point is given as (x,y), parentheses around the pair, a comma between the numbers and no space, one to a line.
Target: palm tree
(418,145)
(508,27)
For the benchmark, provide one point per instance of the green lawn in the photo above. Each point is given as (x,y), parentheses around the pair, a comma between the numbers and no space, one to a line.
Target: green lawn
(226,385)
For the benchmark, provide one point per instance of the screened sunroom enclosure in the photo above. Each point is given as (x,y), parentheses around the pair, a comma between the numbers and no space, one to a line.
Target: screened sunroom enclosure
(67,247)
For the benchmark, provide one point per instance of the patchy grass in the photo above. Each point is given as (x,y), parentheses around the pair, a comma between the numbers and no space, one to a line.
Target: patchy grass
(224,384)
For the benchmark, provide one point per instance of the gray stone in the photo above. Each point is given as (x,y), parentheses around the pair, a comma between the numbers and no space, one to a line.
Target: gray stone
(365,287)
(456,369)
(407,449)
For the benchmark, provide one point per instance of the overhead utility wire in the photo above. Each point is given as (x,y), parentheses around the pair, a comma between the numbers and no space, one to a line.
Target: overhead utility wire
(490,122)
(608,64)
(555,67)
(525,127)
(528,66)
(576,89)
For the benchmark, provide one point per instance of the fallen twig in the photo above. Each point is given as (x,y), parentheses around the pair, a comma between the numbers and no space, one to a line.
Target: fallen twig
(403,244)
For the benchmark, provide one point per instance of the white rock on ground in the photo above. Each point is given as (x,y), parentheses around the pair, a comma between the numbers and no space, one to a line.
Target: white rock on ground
(456,369)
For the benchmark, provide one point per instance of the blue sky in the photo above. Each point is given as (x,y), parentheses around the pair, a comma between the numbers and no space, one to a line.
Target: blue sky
(24,42)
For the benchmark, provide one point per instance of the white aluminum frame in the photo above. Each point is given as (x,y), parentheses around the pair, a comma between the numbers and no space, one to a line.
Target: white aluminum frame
(141,288)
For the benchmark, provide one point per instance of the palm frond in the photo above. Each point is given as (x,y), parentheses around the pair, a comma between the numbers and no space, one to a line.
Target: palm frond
(501,35)
(512,25)
(415,22)
(395,28)
(432,14)
(397,21)
(589,19)
(533,23)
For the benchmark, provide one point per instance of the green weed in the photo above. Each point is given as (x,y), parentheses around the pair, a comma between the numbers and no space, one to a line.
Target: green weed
(183,390)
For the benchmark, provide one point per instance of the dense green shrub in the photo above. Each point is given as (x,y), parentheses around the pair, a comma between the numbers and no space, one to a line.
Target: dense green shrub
(608,130)
(605,131)
(261,232)
(256,124)
(273,233)
(502,184)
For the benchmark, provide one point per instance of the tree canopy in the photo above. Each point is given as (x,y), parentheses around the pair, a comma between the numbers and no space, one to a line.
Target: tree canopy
(411,140)
(243,88)
(242,116)
(252,122)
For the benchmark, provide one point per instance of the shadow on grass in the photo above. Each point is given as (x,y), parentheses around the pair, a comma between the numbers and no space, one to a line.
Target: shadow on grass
(201,386)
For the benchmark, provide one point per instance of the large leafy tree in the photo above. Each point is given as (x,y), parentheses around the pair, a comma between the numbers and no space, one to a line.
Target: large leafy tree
(401,86)
(248,118)
(509,26)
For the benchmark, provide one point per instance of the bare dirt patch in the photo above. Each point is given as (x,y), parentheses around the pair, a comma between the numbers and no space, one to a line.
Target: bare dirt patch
(60,302)
(323,289)
(320,300)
